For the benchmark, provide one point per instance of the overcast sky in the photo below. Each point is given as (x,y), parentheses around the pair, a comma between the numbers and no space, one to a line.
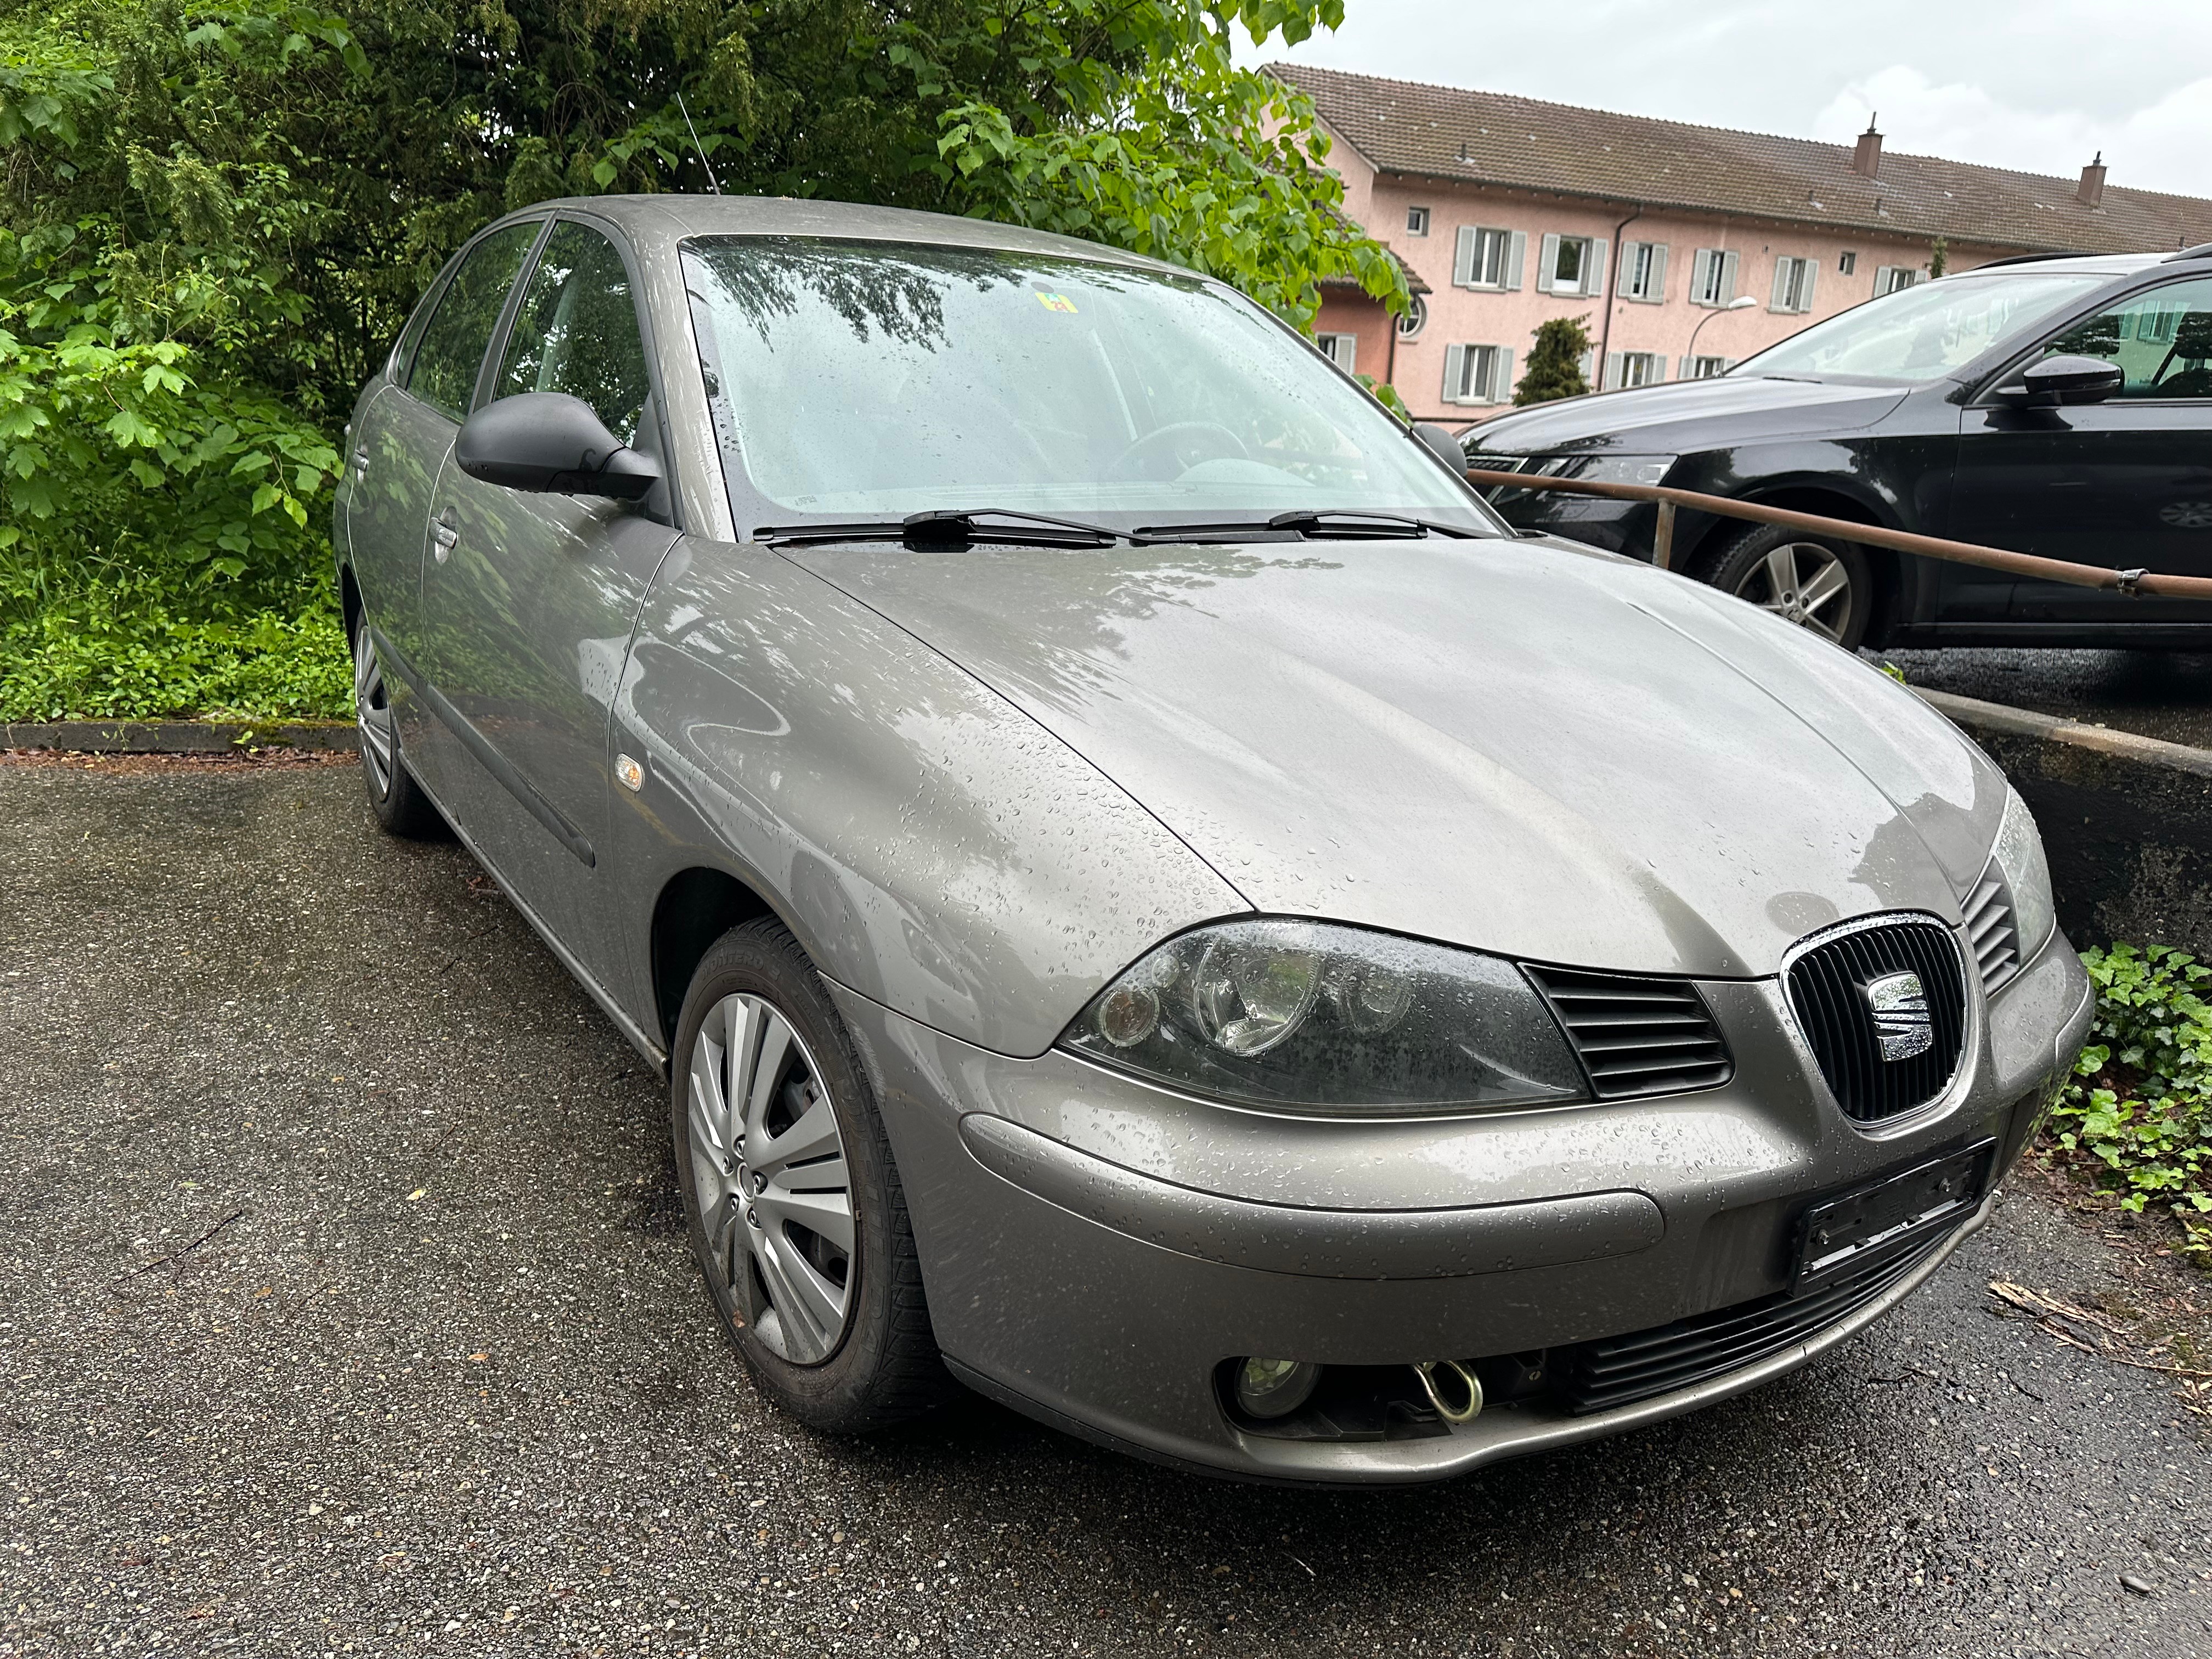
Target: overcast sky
(2039,85)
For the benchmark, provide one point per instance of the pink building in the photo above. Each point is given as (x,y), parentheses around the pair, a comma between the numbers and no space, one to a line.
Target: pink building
(1509,211)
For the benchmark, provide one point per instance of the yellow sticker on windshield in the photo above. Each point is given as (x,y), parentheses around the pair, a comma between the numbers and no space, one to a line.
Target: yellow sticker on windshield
(1057,302)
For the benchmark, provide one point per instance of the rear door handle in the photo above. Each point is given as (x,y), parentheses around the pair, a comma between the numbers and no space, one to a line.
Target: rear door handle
(445,531)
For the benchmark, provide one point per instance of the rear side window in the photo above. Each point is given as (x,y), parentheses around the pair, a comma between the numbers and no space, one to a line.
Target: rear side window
(452,349)
(576,331)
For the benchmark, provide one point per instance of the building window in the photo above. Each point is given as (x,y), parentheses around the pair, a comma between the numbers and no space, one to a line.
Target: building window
(1793,285)
(1712,277)
(1643,271)
(1571,265)
(1627,368)
(1415,320)
(1417,221)
(1704,368)
(1342,349)
(1847,263)
(1488,258)
(1887,279)
(1477,374)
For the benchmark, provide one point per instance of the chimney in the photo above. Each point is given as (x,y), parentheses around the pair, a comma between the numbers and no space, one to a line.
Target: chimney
(1867,158)
(2090,192)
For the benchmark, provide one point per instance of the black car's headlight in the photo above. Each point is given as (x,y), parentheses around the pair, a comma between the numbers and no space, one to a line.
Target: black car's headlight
(1312,1014)
(2018,860)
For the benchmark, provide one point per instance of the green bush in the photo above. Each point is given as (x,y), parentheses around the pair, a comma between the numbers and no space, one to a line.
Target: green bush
(2139,1110)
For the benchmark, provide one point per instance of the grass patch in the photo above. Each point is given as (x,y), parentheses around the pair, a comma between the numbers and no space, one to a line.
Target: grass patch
(2137,1115)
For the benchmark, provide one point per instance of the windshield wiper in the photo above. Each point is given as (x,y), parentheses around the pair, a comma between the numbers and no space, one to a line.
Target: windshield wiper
(949,528)
(1347,526)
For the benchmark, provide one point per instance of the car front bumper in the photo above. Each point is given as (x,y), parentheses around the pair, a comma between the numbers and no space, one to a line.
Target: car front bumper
(1096,1248)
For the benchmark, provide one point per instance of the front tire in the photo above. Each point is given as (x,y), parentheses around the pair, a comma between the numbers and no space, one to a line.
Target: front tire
(1819,582)
(401,807)
(797,1216)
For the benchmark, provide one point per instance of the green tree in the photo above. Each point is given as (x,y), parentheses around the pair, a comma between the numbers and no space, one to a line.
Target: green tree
(1939,257)
(214,217)
(1554,369)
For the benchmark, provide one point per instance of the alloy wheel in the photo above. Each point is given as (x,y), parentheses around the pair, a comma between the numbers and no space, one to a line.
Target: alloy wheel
(769,1167)
(1803,582)
(373,711)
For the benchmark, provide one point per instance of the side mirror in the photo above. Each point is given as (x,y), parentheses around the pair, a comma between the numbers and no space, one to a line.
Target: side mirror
(1440,443)
(550,443)
(2060,380)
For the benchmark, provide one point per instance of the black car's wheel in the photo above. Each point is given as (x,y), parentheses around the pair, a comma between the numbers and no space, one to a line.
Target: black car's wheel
(400,806)
(796,1213)
(1818,582)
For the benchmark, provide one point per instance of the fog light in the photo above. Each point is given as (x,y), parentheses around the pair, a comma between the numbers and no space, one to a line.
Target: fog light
(1274,1388)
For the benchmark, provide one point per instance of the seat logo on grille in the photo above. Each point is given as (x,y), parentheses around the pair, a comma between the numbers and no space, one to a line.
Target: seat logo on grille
(1901,1023)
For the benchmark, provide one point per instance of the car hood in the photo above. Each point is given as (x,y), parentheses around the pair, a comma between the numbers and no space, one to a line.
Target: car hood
(1685,415)
(1522,747)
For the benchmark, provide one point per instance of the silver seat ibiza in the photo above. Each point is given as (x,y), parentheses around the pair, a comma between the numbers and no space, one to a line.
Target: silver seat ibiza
(1152,902)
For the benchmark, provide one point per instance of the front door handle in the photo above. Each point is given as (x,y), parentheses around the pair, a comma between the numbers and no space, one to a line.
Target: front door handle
(360,465)
(445,532)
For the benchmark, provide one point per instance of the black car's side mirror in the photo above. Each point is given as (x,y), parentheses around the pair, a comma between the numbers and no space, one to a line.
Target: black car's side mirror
(553,444)
(1440,442)
(2056,381)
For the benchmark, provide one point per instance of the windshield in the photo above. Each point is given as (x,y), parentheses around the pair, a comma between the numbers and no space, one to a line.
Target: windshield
(1922,333)
(871,379)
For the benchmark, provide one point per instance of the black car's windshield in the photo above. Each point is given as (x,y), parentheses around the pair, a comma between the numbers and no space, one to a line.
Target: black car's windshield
(1921,334)
(858,379)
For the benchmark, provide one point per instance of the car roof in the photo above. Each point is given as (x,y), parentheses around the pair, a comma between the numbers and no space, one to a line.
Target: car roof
(668,219)
(2087,264)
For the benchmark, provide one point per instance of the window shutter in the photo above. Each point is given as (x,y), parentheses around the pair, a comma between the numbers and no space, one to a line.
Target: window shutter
(1501,375)
(1780,299)
(1547,261)
(1594,268)
(1585,364)
(1683,373)
(1626,280)
(1658,289)
(1463,258)
(1805,294)
(1616,368)
(1701,276)
(1455,365)
(1346,353)
(1514,250)
(1727,277)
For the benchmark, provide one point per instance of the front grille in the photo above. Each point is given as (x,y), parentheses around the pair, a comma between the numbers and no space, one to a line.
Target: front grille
(1636,1036)
(1993,933)
(1619,1371)
(1834,987)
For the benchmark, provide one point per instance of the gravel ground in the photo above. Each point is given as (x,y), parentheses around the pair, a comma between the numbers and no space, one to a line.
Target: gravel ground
(344,1307)
(2158,694)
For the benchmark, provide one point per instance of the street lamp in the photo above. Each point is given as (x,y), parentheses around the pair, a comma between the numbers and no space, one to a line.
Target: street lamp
(1690,357)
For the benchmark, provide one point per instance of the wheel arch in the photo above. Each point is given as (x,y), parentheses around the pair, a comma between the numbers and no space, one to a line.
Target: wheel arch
(696,907)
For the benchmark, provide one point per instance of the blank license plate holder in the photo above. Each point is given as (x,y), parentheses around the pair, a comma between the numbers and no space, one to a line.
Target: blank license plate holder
(1887,1217)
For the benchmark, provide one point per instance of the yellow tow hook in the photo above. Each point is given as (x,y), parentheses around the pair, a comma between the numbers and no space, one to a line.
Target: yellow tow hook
(1457,1396)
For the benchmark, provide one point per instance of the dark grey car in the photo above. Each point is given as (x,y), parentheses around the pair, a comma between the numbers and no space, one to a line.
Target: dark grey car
(1153,903)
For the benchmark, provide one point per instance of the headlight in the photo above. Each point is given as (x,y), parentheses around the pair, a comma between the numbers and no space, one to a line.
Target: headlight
(1303,1013)
(2017,859)
(1614,469)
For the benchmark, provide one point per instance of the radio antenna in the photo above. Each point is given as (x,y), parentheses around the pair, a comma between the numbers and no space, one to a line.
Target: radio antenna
(696,145)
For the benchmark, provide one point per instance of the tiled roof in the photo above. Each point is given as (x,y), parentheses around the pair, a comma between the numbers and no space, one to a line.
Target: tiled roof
(1525,143)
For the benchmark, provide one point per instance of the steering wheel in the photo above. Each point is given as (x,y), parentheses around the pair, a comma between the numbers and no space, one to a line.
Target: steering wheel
(1184,443)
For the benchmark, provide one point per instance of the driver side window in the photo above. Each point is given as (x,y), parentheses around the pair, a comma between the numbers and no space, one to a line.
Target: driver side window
(2162,340)
(576,331)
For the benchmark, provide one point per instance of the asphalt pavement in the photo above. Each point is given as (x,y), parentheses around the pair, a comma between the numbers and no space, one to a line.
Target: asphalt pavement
(2157,694)
(344,1307)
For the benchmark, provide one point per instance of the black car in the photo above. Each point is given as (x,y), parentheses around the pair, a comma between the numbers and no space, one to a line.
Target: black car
(2061,406)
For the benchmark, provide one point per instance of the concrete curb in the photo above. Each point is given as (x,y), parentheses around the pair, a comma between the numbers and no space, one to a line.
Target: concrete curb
(2126,819)
(1978,716)
(178,737)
